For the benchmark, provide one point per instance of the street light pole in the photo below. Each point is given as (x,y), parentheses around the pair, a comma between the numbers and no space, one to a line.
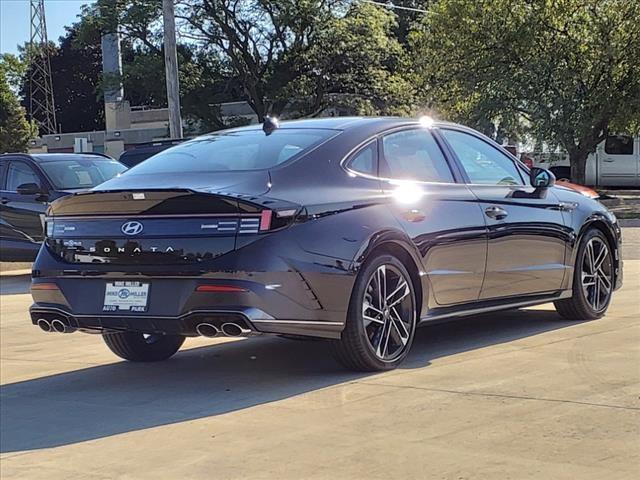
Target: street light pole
(171,69)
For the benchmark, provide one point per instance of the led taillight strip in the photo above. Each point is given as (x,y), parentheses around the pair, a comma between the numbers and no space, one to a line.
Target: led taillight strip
(220,289)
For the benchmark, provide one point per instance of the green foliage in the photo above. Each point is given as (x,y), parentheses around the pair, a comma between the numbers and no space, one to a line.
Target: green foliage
(265,44)
(76,67)
(15,130)
(566,70)
(362,63)
(14,69)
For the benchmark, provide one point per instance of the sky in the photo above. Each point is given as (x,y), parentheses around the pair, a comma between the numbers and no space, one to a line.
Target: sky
(15,20)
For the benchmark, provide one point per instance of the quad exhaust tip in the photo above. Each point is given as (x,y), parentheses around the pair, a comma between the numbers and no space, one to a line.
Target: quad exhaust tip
(228,329)
(207,330)
(235,330)
(61,326)
(55,326)
(44,325)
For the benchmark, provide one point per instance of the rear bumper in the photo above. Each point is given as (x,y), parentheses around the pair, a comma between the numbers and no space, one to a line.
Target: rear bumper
(308,296)
(252,319)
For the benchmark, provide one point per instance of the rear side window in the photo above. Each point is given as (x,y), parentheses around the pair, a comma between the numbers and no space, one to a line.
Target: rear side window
(619,145)
(3,167)
(414,155)
(238,151)
(364,161)
(483,163)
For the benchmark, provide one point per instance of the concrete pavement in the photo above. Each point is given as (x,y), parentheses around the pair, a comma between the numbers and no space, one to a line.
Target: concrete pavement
(518,394)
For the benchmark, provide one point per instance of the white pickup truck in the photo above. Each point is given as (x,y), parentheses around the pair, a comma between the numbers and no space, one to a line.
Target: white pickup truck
(615,163)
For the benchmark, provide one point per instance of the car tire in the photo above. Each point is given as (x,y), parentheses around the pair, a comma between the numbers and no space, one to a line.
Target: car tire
(365,345)
(138,347)
(593,279)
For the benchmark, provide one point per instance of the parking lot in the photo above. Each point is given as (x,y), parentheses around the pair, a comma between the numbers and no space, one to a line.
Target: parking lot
(518,394)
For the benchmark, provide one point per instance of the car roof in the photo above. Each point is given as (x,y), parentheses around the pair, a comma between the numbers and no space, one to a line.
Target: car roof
(339,123)
(52,157)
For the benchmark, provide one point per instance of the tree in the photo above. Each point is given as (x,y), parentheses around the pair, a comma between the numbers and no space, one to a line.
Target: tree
(408,13)
(265,42)
(359,64)
(569,70)
(304,55)
(204,77)
(14,69)
(76,71)
(15,130)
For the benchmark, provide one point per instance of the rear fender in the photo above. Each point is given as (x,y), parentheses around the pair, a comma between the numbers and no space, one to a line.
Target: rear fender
(392,240)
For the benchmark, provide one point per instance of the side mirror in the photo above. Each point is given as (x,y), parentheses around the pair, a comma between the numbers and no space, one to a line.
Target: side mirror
(29,189)
(541,178)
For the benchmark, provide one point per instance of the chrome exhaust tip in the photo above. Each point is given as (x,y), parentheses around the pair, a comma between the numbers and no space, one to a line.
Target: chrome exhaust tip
(61,326)
(235,330)
(207,330)
(44,325)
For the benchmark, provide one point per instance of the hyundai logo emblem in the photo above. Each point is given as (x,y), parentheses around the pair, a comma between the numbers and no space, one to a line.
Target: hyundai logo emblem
(131,228)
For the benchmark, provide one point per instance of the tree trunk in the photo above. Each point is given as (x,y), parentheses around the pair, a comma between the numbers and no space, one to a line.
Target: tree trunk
(578,162)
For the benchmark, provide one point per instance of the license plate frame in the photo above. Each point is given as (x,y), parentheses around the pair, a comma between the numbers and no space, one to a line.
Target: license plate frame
(126,296)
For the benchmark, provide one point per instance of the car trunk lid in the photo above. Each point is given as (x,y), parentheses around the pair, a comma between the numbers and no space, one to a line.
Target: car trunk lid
(154,226)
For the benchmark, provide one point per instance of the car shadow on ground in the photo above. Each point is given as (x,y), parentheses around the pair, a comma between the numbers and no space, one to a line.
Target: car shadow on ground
(107,400)
(15,284)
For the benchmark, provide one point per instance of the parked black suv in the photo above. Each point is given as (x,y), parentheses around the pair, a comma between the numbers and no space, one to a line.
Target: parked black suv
(29,182)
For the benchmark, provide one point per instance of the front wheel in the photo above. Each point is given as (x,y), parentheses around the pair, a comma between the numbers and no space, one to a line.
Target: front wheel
(381,321)
(592,280)
(140,347)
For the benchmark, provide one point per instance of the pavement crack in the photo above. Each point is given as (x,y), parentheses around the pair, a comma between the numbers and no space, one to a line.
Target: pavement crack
(502,395)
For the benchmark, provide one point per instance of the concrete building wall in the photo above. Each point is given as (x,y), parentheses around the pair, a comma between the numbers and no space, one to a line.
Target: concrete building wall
(111,143)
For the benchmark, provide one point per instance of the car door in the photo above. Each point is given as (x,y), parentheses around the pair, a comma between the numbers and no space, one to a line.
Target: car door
(526,231)
(438,212)
(617,162)
(22,215)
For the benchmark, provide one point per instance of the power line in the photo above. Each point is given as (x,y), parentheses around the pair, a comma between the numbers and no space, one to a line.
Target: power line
(391,5)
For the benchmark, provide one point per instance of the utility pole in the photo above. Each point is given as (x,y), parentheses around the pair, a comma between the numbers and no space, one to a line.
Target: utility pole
(42,108)
(171,69)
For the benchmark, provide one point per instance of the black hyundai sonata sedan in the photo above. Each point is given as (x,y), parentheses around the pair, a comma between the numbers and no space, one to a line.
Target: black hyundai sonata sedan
(355,230)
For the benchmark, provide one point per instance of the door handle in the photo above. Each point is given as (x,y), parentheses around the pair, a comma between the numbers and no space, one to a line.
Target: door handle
(4,200)
(496,213)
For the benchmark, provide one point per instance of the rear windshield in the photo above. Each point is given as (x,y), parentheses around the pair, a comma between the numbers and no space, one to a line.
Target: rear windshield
(244,150)
(81,173)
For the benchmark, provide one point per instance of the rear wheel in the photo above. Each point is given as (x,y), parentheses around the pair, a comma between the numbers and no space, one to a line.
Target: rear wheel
(140,347)
(592,280)
(381,321)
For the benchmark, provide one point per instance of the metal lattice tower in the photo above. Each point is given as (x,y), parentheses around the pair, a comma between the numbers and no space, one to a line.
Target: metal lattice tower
(41,104)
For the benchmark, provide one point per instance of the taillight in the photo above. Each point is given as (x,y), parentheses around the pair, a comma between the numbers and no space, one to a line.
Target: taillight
(220,289)
(276,219)
(265,220)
